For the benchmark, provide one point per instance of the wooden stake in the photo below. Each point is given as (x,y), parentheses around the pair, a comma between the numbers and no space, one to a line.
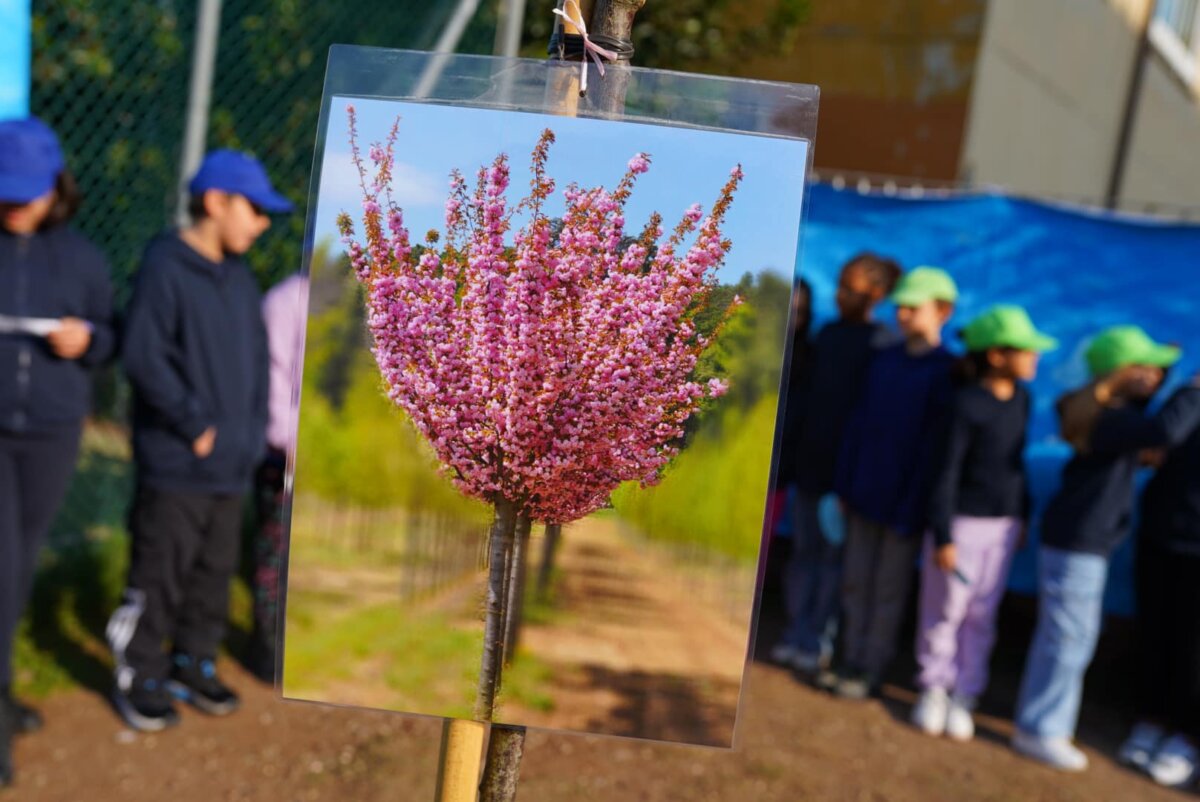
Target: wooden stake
(460,760)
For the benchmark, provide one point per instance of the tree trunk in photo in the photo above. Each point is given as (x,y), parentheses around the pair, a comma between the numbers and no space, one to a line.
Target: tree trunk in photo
(505,747)
(546,567)
(505,609)
(500,544)
(516,589)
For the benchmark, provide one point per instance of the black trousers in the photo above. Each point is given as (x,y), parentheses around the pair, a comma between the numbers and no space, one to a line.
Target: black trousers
(35,471)
(1168,635)
(185,550)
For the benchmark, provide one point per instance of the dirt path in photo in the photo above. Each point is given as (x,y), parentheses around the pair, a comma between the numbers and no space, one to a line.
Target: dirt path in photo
(631,652)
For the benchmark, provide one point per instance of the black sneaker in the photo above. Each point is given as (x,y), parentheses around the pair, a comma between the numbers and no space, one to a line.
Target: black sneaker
(146,706)
(22,718)
(195,682)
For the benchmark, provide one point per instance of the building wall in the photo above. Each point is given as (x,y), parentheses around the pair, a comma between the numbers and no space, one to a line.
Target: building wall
(1049,94)
(1164,159)
(895,78)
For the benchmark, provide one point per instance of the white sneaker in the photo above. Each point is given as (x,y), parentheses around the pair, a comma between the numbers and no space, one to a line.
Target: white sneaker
(1176,763)
(783,654)
(929,716)
(1058,753)
(1141,745)
(960,725)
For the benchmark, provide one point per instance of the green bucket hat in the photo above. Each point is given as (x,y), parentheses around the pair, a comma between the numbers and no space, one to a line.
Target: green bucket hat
(1006,326)
(1119,346)
(923,284)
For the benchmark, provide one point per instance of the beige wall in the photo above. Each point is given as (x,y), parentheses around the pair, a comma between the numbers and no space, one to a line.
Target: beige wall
(1049,93)
(1164,162)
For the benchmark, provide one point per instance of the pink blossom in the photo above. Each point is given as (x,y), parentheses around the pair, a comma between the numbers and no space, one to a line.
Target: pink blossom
(542,371)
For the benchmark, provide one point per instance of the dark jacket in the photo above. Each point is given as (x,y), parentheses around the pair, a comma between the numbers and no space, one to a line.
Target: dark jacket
(1093,509)
(1170,511)
(828,388)
(981,472)
(195,352)
(888,457)
(52,274)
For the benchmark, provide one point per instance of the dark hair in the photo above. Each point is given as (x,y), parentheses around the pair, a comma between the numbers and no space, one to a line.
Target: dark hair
(67,200)
(883,272)
(195,208)
(803,307)
(971,367)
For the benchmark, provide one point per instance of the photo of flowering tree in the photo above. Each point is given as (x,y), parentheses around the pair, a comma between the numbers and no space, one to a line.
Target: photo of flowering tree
(552,360)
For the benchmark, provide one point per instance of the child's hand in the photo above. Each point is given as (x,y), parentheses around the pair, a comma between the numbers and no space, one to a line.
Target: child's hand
(1130,383)
(946,557)
(202,446)
(71,339)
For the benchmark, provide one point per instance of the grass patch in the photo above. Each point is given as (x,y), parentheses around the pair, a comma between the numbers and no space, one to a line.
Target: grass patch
(526,682)
(419,662)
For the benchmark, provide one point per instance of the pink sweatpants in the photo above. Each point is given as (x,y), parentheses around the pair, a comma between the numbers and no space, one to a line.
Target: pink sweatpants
(957,620)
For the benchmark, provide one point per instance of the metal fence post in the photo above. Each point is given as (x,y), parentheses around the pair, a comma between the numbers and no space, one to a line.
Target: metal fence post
(195,132)
(508,32)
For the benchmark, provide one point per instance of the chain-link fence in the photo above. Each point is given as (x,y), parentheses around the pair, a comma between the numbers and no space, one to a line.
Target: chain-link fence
(111,76)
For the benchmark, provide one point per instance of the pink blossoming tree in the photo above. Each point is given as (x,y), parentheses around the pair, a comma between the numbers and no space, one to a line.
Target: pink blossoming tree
(544,365)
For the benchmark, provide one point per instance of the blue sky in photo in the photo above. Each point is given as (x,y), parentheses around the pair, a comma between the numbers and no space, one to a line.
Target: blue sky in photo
(688,166)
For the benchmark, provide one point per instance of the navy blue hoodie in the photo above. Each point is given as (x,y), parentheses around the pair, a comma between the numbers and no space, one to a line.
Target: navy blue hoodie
(830,386)
(54,273)
(196,354)
(1093,509)
(890,446)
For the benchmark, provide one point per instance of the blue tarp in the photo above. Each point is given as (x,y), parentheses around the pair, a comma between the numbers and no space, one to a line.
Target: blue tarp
(1075,271)
(14,58)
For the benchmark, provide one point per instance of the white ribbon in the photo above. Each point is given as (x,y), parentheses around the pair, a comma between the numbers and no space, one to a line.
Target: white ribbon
(590,48)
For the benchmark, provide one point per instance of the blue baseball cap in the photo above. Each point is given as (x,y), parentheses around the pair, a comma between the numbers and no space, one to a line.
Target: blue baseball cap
(30,160)
(238,174)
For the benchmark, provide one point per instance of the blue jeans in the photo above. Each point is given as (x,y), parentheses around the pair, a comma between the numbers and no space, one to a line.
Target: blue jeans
(812,580)
(1070,611)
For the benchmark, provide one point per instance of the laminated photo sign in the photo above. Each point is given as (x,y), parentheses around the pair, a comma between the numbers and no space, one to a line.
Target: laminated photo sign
(545,350)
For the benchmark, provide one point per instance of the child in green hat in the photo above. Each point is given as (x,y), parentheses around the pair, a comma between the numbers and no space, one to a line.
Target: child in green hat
(884,476)
(1107,424)
(977,517)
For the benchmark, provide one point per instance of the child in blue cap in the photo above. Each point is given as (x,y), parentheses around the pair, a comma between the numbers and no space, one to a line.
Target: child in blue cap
(55,327)
(195,352)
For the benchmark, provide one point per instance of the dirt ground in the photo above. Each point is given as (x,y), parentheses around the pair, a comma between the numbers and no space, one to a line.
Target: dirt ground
(794,743)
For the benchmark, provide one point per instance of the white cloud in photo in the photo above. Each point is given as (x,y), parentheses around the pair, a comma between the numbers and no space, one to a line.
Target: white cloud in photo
(411,185)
